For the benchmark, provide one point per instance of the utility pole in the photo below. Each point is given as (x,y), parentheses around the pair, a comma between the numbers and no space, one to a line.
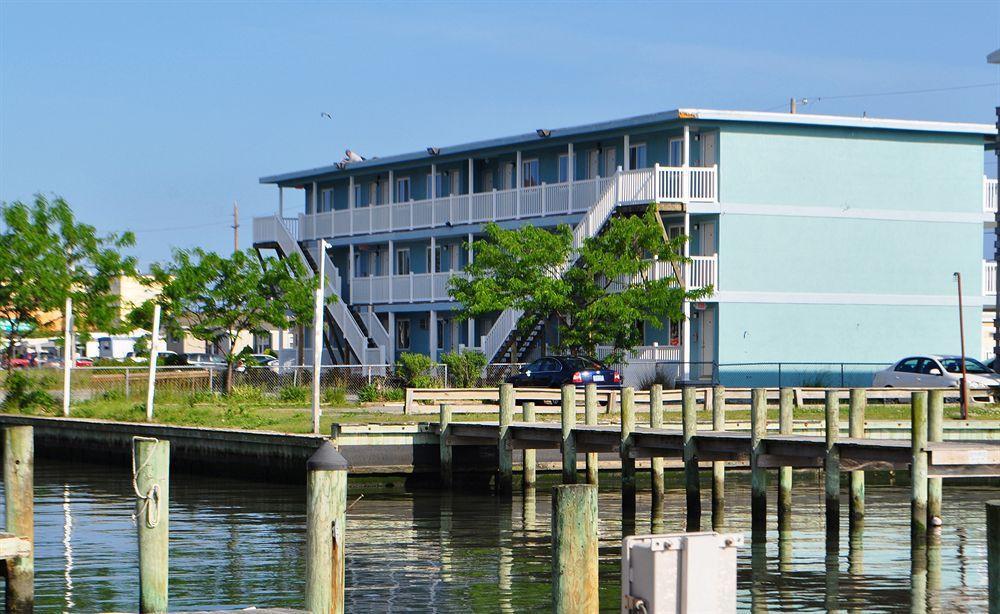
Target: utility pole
(791,105)
(964,393)
(236,227)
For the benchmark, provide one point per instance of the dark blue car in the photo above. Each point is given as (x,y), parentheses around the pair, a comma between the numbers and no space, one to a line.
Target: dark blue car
(556,371)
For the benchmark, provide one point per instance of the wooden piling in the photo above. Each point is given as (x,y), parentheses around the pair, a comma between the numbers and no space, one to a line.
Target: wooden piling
(326,517)
(151,475)
(528,462)
(656,422)
(786,407)
(19,499)
(718,467)
(574,548)
(935,432)
(993,553)
(758,475)
(444,446)
(628,462)
(590,415)
(918,466)
(505,458)
(568,402)
(692,484)
(831,467)
(857,431)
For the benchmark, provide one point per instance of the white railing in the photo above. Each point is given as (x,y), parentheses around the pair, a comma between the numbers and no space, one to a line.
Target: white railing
(989,278)
(647,353)
(659,183)
(268,229)
(413,288)
(701,272)
(498,333)
(376,331)
(989,195)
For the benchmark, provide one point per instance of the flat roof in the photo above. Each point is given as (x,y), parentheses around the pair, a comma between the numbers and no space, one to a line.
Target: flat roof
(531,138)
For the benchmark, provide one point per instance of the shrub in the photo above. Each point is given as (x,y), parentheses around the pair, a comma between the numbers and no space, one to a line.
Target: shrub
(294,394)
(464,368)
(412,366)
(394,394)
(246,394)
(369,393)
(335,396)
(26,394)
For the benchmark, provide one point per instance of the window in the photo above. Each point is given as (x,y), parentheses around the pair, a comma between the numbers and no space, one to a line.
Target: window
(440,333)
(675,333)
(593,163)
(403,334)
(508,176)
(610,161)
(928,366)
(326,200)
(637,156)
(357,194)
(438,186)
(563,168)
(402,189)
(435,266)
(455,178)
(373,193)
(403,261)
(954,365)
(908,366)
(487,181)
(548,365)
(675,155)
(529,173)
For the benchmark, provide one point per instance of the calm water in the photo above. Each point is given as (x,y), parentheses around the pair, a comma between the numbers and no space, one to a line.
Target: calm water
(237,544)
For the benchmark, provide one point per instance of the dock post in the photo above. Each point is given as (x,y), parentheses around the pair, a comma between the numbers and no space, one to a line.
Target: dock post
(692,485)
(574,549)
(993,553)
(568,402)
(786,408)
(935,432)
(505,460)
(444,446)
(656,422)
(19,501)
(528,462)
(758,475)
(718,467)
(859,401)
(918,466)
(151,478)
(831,467)
(590,415)
(628,463)
(326,515)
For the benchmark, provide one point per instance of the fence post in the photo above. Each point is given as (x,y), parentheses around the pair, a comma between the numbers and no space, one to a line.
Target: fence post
(628,463)
(786,403)
(831,467)
(19,502)
(590,415)
(67,353)
(656,422)
(505,461)
(128,392)
(718,467)
(151,383)
(568,407)
(692,484)
(758,475)
(918,466)
(151,475)
(574,549)
(444,424)
(528,462)
(935,432)
(326,511)
(857,431)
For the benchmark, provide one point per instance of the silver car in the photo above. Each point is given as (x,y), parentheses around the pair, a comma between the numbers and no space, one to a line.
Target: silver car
(936,371)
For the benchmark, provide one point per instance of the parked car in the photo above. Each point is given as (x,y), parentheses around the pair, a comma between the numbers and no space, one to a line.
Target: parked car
(556,371)
(83,362)
(263,360)
(21,362)
(936,371)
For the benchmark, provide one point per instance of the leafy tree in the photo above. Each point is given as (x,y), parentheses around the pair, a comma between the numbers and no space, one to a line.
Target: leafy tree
(591,302)
(46,256)
(217,299)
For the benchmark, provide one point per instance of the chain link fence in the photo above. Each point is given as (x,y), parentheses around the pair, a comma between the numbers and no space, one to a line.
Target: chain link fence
(761,374)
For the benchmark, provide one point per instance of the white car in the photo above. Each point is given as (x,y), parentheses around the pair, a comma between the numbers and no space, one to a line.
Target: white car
(934,371)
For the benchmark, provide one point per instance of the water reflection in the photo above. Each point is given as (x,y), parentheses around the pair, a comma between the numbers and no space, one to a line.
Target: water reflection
(235,544)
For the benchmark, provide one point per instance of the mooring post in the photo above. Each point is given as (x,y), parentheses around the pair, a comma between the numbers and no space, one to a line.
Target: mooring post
(568,405)
(831,467)
(505,454)
(786,407)
(590,416)
(326,518)
(918,466)
(628,462)
(528,461)
(19,499)
(993,553)
(692,485)
(151,479)
(574,548)
(859,401)
(718,467)
(443,445)
(656,422)
(935,432)
(758,475)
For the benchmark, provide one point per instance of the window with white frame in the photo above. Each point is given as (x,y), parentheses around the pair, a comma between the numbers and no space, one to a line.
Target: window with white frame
(403,334)
(530,173)
(508,176)
(487,181)
(675,155)
(438,185)
(403,261)
(358,191)
(373,193)
(402,189)
(593,164)
(610,161)
(326,200)
(455,181)
(563,168)
(637,156)
(441,326)
(434,259)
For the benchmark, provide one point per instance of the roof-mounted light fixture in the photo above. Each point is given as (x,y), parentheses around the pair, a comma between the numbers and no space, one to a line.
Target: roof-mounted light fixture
(543,133)
(433,151)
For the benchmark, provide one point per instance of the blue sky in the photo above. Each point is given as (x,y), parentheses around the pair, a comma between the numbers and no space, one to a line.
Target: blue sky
(156,116)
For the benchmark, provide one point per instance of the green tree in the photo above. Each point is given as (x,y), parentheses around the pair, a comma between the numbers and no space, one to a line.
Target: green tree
(47,256)
(217,299)
(600,301)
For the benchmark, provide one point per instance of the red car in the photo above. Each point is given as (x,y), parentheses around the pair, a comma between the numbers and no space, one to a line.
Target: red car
(84,362)
(21,363)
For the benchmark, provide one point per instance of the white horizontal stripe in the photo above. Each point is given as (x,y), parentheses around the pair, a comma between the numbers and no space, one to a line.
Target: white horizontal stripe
(896,215)
(834,298)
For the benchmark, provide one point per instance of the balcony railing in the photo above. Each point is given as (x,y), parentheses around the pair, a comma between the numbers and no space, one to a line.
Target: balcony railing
(660,183)
(989,278)
(413,288)
(701,272)
(989,195)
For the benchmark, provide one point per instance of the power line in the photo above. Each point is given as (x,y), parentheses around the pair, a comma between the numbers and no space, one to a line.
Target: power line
(815,99)
(191,227)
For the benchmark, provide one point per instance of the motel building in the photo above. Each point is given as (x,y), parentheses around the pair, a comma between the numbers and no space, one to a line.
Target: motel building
(824,238)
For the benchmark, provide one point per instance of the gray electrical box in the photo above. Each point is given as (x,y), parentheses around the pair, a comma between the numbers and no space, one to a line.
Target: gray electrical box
(687,573)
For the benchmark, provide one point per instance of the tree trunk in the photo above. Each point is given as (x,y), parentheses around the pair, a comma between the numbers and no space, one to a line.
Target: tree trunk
(229,375)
